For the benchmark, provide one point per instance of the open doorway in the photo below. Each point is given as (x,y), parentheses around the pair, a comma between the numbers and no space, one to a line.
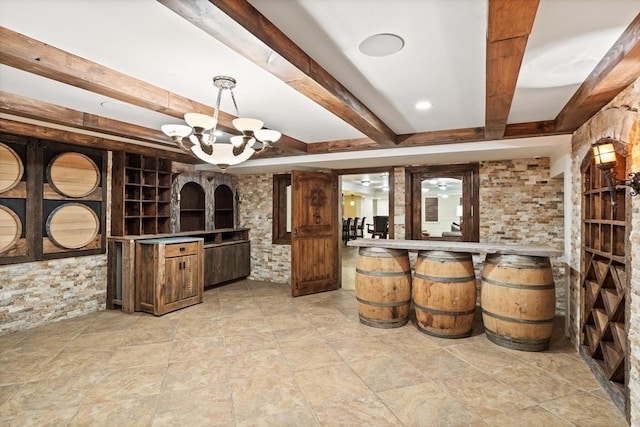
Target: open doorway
(364,195)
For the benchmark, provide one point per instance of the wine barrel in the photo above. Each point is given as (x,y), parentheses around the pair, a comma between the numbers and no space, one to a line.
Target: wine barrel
(11,168)
(444,293)
(10,229)
(518,301)
(73,175)
(383,287)
(72,225)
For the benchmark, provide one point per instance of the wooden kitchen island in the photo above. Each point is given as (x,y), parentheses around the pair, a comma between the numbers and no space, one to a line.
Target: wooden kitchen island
(517,289)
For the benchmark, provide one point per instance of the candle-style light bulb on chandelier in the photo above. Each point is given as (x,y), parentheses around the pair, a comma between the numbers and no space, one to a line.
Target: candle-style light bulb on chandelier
(199,140)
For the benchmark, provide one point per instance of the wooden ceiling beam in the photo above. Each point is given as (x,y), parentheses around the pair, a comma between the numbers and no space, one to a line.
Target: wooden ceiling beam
(241,27)
(618,69)
(440,137)
(32,108)
(62,135)
(509,25)
(27,54)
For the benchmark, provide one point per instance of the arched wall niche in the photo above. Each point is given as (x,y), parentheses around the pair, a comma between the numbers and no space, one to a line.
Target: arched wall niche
(209,181)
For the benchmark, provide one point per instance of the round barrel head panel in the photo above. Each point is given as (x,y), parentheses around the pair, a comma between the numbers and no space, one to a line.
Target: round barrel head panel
(10,229)
(73,175)
(72,226)
(11,168)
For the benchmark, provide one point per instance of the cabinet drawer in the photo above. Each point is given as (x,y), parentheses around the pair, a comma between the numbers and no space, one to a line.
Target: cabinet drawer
(180,249)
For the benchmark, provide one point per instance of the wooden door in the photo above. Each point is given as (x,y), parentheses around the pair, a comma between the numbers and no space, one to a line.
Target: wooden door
(314,239)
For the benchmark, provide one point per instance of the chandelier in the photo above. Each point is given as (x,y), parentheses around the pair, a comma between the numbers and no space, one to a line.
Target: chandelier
(199,140)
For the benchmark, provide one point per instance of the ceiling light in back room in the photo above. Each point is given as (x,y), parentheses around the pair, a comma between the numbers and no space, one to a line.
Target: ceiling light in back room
(381,44)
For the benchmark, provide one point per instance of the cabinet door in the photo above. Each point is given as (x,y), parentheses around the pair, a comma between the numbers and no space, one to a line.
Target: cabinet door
(227,262)
(173,279)
(189,276)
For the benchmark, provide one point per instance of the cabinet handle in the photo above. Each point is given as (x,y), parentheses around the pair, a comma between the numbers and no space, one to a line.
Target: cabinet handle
(182,249)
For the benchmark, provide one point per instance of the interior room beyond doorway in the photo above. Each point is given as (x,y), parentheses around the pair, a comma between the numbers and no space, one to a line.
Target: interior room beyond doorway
(364,196)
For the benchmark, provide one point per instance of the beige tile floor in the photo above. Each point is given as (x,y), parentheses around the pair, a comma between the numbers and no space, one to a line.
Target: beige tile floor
(251,355)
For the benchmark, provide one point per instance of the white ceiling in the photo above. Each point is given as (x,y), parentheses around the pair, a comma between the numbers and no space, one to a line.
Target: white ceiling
(443,61)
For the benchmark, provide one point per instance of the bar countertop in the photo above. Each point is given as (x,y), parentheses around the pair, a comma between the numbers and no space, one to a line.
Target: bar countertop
(467,247)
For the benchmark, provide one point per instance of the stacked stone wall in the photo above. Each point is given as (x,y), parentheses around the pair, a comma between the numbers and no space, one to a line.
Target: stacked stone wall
(36,293)
(520,203)
(269,262)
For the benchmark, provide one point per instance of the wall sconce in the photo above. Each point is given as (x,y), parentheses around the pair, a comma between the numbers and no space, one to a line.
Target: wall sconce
(604,155)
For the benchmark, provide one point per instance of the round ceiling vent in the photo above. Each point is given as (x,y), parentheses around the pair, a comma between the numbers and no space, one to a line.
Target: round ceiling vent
(381,44)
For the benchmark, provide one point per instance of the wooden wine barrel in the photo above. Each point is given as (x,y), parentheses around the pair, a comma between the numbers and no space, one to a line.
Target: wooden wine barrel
(73,175)
(10,229)
(11,168)
(383,287)
(518,301)
(72,225)
(444,293)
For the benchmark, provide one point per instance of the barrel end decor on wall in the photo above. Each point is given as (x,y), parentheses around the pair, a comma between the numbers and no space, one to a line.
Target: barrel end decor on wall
(72,199)
(72,226)
(73,175)
(12,201)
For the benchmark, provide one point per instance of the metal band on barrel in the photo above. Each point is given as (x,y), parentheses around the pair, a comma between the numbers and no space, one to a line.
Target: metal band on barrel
(519,285)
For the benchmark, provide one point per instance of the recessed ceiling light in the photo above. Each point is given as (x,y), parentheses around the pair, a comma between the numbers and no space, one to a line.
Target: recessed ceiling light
(381,44)
(423,105)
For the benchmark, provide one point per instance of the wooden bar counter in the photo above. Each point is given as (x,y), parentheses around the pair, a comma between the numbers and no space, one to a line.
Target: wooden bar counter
(465,247)
(517,289)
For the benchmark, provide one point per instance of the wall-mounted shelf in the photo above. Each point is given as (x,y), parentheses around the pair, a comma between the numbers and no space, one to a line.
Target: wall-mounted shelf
(141,195)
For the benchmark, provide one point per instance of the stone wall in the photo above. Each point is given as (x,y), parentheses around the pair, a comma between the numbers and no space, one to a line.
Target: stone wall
(620,119)
(521,203)
(35,293)
(399,203)
(270,263)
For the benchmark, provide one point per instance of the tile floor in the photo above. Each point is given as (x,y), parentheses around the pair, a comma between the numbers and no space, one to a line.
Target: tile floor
(250,355)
